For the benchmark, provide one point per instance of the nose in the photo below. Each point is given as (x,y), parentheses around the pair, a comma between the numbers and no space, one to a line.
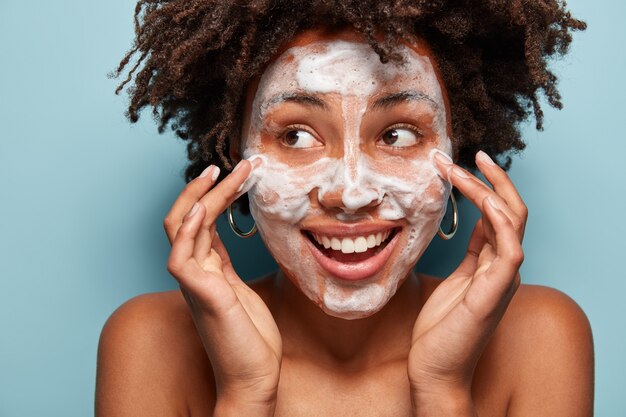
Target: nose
(351,190)
(349,200)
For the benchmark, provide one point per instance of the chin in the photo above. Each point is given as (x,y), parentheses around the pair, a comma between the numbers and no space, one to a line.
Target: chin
(359,304)
(347,300)
(346,291)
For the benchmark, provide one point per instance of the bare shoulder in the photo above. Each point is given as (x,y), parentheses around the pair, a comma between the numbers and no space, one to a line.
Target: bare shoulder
(537,308)
(547,324)
(546,339)
(150,360)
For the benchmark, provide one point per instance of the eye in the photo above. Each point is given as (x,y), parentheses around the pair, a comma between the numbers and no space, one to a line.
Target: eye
(401,136)
(299,138)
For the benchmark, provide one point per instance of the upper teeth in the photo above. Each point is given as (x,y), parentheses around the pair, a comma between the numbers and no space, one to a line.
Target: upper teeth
(350,245)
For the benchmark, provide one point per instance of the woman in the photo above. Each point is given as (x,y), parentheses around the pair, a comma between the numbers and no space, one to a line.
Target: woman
(344,120)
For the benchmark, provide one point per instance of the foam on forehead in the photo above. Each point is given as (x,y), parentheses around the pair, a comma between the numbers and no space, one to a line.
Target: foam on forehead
(343,67)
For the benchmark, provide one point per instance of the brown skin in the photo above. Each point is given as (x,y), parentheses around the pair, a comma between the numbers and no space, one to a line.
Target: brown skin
(539,362)
(279,354)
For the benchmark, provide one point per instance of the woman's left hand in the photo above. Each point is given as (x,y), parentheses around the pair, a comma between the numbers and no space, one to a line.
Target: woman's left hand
(457,321)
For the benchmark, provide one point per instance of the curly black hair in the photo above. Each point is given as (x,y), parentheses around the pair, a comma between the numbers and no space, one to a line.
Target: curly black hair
(195,59)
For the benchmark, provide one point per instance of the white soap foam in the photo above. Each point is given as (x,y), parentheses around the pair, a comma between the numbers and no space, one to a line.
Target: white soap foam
(280,192)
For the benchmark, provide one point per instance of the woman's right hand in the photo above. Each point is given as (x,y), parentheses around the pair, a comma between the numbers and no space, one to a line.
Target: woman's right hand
(237,329)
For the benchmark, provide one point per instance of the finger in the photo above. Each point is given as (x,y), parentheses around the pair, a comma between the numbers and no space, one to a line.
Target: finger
(192,192)
(223,195)
(473,188)
(497,274)
(212,255)
(227,265)
(184,242)
(204,279)
(488,226)
(501,183)
(509,253)
(502,271)
(477,241)
(477,192)
(204,241)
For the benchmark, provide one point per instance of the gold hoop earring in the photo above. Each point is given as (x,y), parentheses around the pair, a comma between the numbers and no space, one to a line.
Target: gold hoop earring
(238,231)
(455,221)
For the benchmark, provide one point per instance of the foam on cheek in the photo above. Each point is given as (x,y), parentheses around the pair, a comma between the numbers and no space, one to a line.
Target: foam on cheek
(280,193)
(279,201)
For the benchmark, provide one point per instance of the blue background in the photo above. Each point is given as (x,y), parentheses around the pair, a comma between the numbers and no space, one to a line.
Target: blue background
(83,195)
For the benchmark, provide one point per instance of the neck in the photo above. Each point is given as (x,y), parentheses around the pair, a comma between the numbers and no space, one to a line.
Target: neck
(309,332)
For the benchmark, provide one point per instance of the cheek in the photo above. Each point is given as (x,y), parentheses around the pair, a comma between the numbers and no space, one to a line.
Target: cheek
(427,204)
(266,198)
(281,192)
(428,187)
(412,189)
(274,194)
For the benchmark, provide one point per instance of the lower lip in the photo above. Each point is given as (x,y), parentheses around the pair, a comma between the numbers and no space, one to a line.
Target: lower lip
(354,271)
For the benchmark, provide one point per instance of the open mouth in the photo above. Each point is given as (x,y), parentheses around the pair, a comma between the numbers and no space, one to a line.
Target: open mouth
(346,249)
(354,257)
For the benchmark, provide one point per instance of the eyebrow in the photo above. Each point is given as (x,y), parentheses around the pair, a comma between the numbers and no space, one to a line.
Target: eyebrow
(296,97)
(401,97)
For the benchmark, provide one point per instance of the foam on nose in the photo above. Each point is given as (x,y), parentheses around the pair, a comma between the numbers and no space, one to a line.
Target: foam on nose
(359,189)
(354,184)
(355,198)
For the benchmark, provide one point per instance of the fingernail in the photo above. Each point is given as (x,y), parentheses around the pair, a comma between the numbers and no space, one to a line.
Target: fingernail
(206,171)
(238,166)
(459,172)
(193,210)
(492,203)
(442,157)
(484,158)
(216,173)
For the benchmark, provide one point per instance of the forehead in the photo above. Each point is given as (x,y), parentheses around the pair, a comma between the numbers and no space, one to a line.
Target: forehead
(346,67)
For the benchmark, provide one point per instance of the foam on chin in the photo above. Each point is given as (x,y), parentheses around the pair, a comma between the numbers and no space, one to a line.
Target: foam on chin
(362,302)
(279,193)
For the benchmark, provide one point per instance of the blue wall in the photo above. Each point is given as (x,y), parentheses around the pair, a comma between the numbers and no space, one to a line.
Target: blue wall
(83,195)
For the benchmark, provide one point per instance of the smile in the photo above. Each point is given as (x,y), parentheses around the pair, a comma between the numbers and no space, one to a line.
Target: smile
(358,244)
(353,257)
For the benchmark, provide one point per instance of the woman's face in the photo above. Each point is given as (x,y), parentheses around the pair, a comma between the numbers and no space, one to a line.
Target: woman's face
(347,198)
